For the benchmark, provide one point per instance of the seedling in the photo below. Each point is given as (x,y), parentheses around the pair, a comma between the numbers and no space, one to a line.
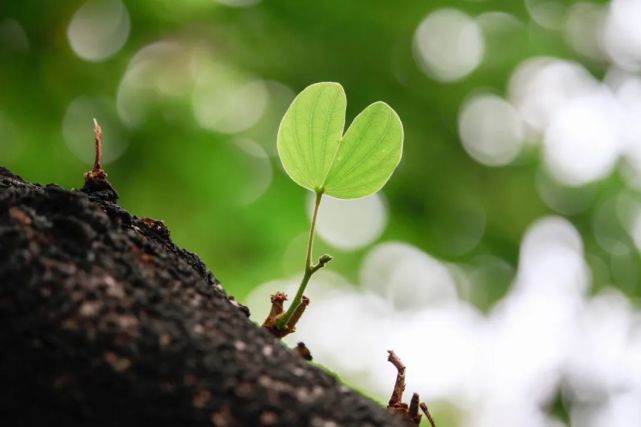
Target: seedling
(318,156)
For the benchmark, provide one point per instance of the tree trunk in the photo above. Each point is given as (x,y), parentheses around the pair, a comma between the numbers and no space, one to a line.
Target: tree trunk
(105,322)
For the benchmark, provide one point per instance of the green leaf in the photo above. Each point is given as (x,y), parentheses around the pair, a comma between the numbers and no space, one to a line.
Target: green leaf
(368,154)
(317,156)
(310,132)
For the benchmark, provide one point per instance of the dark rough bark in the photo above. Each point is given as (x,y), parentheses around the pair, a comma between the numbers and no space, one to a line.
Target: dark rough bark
(105,322)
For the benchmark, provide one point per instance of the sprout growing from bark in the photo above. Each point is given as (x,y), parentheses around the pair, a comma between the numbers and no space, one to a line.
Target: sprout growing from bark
(97,172)
(318,155)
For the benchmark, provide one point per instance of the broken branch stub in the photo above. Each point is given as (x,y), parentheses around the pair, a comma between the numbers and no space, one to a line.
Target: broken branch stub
(396,404)
(272,322)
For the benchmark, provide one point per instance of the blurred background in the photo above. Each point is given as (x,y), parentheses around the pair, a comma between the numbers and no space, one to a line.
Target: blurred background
(501,261)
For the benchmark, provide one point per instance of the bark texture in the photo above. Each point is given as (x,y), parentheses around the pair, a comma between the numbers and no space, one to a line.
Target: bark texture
(105,322)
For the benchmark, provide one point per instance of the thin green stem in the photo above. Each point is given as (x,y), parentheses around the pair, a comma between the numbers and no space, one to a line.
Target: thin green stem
(312,229)
(310,268)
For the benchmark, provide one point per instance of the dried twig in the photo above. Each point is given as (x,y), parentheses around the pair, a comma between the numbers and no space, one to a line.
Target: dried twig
(399,386)
(427,414)
(291,325)
(413,410)
(277,312)
(396,401)
(278,301)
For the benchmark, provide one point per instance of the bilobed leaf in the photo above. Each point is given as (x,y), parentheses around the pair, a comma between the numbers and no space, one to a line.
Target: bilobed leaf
(310,132)
(316,154)
(368,153)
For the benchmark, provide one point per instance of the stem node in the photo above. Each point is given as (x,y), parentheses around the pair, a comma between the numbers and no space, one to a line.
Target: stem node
(282,324)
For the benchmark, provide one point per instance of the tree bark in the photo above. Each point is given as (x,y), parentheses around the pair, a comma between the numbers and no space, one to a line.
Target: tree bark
(105,322)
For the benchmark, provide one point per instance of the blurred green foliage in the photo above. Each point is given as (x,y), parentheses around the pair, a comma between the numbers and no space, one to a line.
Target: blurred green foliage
(192,177)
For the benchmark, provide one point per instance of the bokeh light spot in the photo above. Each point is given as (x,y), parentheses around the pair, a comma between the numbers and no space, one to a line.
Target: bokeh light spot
(259,171)
(159,72)
(407,277)
(238,3)
(551,259)
(582,143)
(540,86)
(265,130)
(99,29)
(491,130)
(622,34)
(226,101)
(13,36)
(350,224)
(584,28)
(448,45)
(548,14)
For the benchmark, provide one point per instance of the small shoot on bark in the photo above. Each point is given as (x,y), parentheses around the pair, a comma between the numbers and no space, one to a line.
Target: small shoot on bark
(396,401)
(97,172)
(318,155)
(96,183)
